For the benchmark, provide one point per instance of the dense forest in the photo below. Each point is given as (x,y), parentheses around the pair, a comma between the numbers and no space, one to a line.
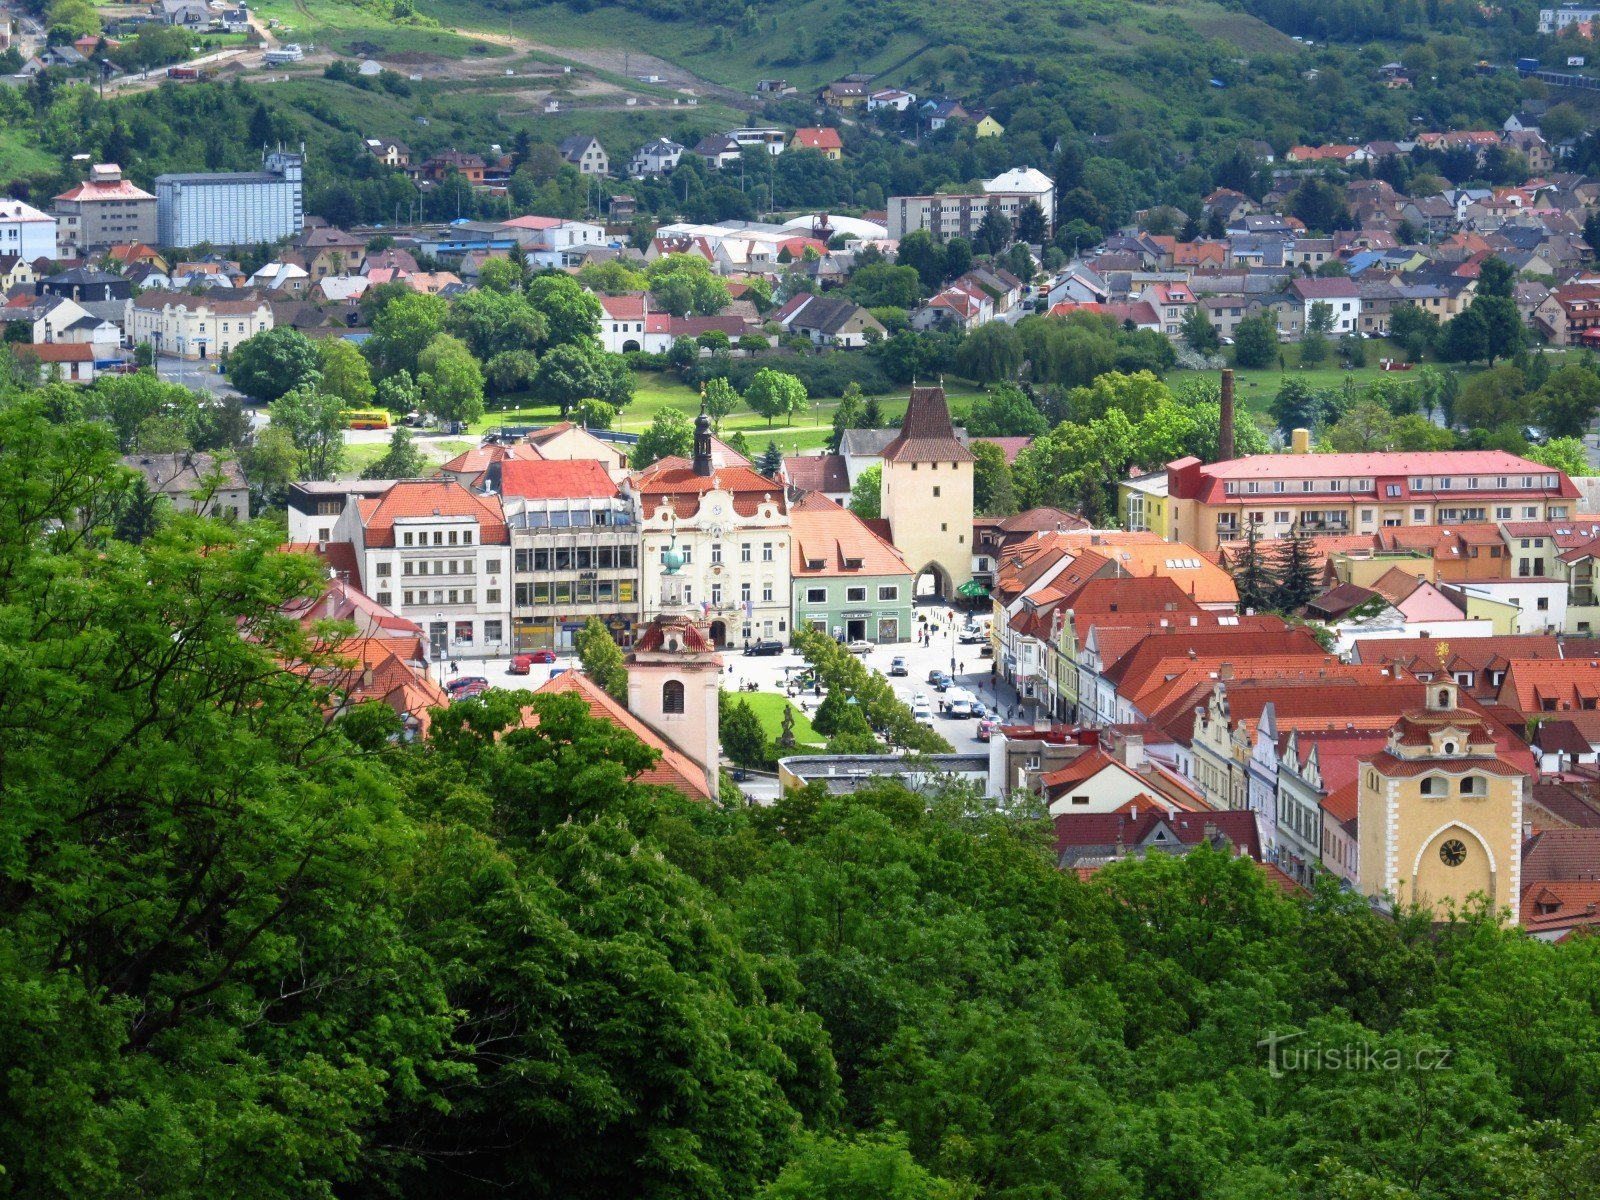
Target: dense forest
(245,952)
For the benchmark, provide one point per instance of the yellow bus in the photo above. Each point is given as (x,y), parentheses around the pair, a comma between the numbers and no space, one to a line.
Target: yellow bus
(366,418)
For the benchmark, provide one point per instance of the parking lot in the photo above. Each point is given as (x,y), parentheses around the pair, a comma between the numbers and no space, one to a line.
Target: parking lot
(972,672)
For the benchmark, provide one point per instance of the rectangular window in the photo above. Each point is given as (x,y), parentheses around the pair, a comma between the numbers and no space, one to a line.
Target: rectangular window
(493,631)
(624,591)
(383,570)
(523,560)
(766,593)
(716,594)
(766,551)
(816,595)
(405,598)
(491,595)
(492,565)
(716,554)
(406,539)
(523,594)
(744,551)
(890,593)
(541,593)
(541,560)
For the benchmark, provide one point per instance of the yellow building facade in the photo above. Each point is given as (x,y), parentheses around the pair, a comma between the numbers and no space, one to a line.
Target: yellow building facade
(926,493)
(1440,812)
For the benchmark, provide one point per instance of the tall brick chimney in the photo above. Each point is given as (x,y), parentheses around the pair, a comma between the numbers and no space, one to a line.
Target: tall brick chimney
(1225,428)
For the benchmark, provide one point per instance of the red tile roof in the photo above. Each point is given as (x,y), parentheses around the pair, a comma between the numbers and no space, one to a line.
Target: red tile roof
(817,472)
(573,479)
(673,769)
(817,139)
(432,497)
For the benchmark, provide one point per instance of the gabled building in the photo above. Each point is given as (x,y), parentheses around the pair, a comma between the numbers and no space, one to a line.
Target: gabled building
(586,153)
(848,582)
(829,321)
(105,210)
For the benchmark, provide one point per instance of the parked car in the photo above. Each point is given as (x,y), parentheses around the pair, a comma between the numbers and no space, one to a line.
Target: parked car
(464,682)
(897,666)
(957,705)
(478,688)
(944,682)
(986,728)
(922,715)
(935,675)
(978,709)
(860,646)
(763,649)
(971,634)
(522,664)
(740,775)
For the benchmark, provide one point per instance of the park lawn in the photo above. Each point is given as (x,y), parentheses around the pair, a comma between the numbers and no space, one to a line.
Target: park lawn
(657,390)
(769,706)
(1256,386)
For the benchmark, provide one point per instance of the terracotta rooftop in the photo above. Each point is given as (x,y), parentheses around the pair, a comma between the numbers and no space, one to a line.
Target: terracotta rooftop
(834,537)
(681,485)
(1562,854)
(817,472)
(431,497)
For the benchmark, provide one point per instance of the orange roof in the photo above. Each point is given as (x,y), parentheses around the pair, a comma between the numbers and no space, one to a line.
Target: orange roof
(673,769)
(56,352)
(428,498)
(1343,804)
(817,139)
(391,670)
(833,536)
(1560,904)
(1533,685)
(476,461)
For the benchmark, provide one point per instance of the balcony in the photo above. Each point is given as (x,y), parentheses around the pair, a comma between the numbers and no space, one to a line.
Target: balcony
(1339,524)
(1227,528)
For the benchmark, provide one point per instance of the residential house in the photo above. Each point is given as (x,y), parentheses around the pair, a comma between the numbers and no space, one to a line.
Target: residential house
(1342,296)
(440,166)
(194,482)
(825,474)
(70,362)
(829,321)
(657,157)
(823,140)
(586,153)
(894,98)
(717,151)
(845,94)
(389,152)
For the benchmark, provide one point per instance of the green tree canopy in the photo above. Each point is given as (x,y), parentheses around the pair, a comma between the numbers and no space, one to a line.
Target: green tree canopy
(866,499)
(774,394)
(269,364)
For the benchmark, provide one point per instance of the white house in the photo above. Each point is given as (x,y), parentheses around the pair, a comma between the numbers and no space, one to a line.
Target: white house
(655,158)
(1343,296)
(194,326)
(25,231)
(553,241)
(891,98)
(1025,183)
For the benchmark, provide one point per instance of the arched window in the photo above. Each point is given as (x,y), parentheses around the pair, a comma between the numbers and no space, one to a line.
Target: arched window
(672,696)
(1449,747)
(1444,698)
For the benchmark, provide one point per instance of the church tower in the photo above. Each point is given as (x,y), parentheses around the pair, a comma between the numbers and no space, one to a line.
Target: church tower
(926,495)
(1440,811)
(674,673)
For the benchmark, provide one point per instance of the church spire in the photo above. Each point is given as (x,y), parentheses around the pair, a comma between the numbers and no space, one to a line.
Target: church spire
(702,438)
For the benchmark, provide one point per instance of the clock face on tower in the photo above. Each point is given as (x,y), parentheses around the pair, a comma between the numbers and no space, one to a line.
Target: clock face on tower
(1453,853)
(716,510)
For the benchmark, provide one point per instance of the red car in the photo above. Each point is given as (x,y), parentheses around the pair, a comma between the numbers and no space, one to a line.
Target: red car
(459,685)
(522,664)
(471,692)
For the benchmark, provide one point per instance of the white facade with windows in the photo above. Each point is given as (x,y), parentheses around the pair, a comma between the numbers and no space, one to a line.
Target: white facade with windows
(26,232)
(194,326)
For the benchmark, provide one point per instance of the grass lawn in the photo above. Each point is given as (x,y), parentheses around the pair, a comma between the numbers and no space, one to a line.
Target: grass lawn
(657,391)
(1257,386)
(769,707)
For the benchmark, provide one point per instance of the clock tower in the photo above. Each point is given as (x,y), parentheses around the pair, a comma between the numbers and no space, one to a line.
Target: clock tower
(1439,817)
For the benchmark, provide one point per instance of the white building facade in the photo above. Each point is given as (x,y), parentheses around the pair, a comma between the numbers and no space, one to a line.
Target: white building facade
(233,208)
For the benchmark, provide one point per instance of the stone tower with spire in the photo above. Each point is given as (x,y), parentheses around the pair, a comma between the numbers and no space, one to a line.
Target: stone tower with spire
(926,494)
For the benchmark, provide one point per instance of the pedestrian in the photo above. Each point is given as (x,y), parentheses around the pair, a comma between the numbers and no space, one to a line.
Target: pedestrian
(455,667)
(962,670)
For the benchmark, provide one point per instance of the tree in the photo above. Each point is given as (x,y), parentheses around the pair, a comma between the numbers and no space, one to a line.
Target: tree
(570,313)
(1492,398)
(829,1169)
(400,393)
(1005,411)
(881,285)
(602,659)
(1199,334)
(685,285)
(402,329)
(774,394)
(1414,328)
(401,461)
(1255,342)
(719,399)
(682,354)
(492,322)
(993,494)
(1567,454)
(451,381)
(743,739)
(1503,328)
(866,499)
(510,372)
(315,425)
(500,275)
(1465,338)
(990,353)
(771,461)
(1031,224)
(1251,574)
(1566,404)
(1296,574)
(271,363)
(573,371)
(140,512)
(922,253)
(595,414)
(994,232)
(670,433)
(344,372)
